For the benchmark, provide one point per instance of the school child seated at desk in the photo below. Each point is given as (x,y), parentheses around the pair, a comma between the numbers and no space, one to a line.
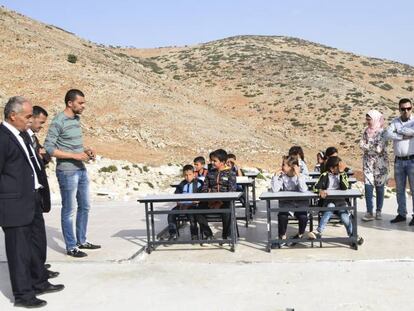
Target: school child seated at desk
(190,184)
(320,160)
(231,162)
(334,178)
(290,179)
(200,171)
(297,151)
(220,179)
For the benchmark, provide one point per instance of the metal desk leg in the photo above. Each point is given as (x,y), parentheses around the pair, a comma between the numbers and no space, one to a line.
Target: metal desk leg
(269,227)
(247,204)
(233,226)
(354,224)
(152,223)
(254,195)
(148,229)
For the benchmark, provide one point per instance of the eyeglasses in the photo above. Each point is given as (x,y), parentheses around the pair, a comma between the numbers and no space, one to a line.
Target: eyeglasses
(406,109)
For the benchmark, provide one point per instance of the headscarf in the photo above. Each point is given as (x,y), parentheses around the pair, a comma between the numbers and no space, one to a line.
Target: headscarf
(377,122)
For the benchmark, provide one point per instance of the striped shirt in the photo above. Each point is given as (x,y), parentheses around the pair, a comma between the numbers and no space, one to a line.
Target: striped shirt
(65,134)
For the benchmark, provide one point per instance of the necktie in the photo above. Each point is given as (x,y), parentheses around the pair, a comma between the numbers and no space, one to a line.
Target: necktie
(35,143)
(27,141)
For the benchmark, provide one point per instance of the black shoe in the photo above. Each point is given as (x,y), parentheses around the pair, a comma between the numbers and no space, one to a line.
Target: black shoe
(52,274)
(47,266)
(194,238)
(50,289)
(294,237)
(208,238)
(399,218)
(172,237)
(224,238)
(89,246)
(76,253)
(411,223)
(30,304)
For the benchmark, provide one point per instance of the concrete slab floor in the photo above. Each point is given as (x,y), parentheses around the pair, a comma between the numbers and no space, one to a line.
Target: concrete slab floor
(185,277)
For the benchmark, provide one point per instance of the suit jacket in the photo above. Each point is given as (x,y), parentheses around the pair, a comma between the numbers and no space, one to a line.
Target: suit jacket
(46,157)
(17,194)
(45,191)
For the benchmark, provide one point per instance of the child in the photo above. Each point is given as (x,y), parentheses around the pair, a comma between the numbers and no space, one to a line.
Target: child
(200,171)
(320,160)
(190,184)
(290,179)
(331,152)
(219,179)
(210,162)
(335,178)
(297,151)
(231,162)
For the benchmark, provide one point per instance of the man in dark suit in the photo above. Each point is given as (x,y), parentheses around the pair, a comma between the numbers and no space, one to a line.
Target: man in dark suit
(39,119)
(20,207)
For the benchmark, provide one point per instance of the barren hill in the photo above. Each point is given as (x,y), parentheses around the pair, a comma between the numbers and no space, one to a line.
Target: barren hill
(253,95)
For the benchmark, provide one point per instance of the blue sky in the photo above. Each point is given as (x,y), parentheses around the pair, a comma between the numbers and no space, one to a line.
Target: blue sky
(373,28)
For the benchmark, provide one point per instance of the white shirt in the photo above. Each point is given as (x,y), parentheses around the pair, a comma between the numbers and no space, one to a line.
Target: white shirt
(334,182)
(16,133)
(284,182)
(395,132)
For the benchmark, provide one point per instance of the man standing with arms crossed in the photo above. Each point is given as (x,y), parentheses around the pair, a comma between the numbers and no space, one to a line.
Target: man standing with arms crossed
(401,132)
(64,141)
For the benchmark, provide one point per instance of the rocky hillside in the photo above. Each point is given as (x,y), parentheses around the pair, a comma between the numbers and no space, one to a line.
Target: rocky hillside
(253,95)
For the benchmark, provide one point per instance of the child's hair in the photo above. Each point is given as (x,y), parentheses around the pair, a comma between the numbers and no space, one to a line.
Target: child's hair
(330,151)
(188,167)
(220,154)
(200,160)
(211,155)
(297,150)
(321,154)
(290,160)
(231,156)
(332,162)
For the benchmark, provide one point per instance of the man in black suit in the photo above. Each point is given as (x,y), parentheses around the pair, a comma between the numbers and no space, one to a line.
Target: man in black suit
(39,119)
(20,206)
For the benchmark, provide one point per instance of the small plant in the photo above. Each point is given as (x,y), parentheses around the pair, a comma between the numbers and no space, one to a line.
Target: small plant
(108,169)
(72,58)
(146,169)
(126,167)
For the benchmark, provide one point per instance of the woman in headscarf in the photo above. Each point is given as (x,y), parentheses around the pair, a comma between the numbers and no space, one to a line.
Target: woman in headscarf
(375,163)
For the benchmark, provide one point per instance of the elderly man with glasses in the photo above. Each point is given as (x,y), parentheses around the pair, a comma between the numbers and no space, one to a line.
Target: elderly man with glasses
(401,132)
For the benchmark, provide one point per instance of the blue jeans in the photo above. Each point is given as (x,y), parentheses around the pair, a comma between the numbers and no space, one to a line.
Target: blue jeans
(402,170)
(74,188)
(369,194)
(343,214)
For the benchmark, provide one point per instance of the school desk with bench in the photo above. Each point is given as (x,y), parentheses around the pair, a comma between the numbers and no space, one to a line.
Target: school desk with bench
(350,194)
(150,212)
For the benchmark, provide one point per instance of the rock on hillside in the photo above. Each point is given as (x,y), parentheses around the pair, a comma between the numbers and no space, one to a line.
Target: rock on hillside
(253,95)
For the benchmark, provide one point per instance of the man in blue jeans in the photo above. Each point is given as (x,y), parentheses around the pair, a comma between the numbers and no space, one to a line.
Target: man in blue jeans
(401,132)
(64,141)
